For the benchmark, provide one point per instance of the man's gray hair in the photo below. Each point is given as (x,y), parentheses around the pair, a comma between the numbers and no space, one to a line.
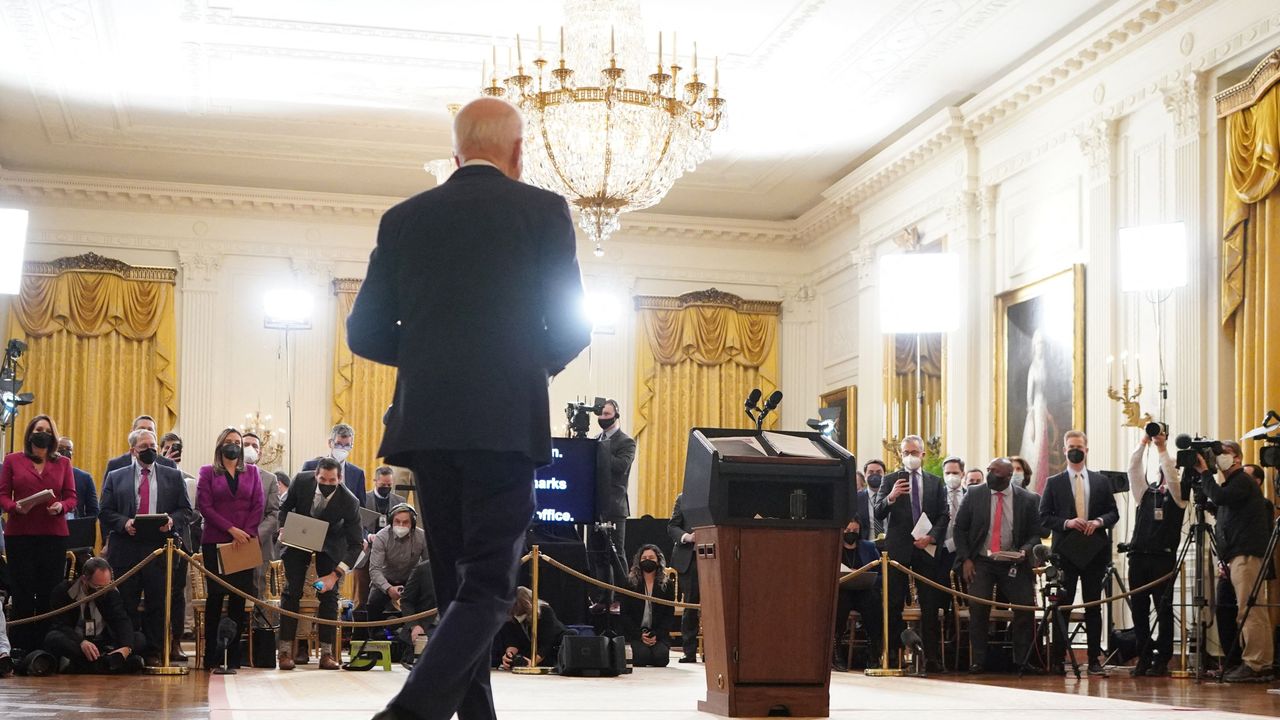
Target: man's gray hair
(136,435)
(910,438)
(342,430)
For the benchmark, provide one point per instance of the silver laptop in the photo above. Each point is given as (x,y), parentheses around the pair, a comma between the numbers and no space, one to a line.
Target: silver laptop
(304,532)
(371,519)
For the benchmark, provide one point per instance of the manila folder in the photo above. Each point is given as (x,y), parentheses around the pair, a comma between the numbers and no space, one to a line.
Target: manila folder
(243,557)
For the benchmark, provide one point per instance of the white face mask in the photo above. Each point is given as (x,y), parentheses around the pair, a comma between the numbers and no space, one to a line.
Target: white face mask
(250,455)
(340,454)
(1017,479)
(1225,461)
(911,462)
(399,530)
(953,481)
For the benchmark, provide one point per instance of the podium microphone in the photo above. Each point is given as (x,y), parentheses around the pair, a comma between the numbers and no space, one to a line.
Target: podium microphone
(228,633)
(752,403)
(911,639)
(775,398)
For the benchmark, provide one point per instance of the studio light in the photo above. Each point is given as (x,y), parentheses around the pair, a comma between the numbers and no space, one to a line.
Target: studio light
(603,310)
(1153,257)
(13,240)
(288,309)
(911,297)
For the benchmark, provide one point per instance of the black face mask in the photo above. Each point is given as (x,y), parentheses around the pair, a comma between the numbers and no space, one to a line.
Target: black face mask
(147,457)
(873,481)
(64,453)
(1075,456)
(607,422)
(851,537)
(997,483)
(327,490)
(42,440)
(649,565)
(231,451)
(383,491)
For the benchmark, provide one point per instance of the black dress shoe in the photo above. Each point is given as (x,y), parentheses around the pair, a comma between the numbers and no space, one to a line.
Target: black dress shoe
(976,669)
(689,659)
(1057,669)
(391,712)
(933,667)
(1030,670)
(1096,669)
(1159,669)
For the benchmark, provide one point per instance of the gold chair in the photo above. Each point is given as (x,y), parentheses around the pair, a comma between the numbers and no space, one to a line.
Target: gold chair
(199,599)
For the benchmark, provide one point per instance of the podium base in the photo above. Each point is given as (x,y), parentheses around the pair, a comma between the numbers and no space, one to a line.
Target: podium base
(769,700)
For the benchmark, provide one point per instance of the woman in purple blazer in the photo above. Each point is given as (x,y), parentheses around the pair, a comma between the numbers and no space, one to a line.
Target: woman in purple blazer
(229,497)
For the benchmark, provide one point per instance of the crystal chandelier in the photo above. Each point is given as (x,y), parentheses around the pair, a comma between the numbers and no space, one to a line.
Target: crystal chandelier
(598,129)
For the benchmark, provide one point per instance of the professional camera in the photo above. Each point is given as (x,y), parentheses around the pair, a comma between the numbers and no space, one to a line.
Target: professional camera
(579,416)
(1189,447)
(605,525)
(1269,453)
(1155,428)
(1122,548)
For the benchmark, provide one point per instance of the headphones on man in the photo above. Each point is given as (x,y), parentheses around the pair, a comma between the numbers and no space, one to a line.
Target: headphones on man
(404,507)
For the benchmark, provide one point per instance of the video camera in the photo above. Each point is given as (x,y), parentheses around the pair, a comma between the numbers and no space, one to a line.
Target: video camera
(579,416)
(1190,447)
(1269,453)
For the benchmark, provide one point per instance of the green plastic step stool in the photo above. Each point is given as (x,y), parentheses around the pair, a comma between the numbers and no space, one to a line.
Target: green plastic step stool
(382,647)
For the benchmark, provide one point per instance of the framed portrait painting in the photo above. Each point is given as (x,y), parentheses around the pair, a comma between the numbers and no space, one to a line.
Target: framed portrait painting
(846,399)
(1039,370)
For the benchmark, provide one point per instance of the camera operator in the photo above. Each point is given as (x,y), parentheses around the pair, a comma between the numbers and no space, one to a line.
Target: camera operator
(1243,530)
(1153,552)
(1225,594)
(605,542)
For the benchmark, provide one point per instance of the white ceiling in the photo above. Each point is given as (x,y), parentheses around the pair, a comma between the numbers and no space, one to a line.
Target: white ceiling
(341,96)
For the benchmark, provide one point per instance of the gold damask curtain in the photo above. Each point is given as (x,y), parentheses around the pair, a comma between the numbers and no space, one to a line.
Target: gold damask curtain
(102,349)
(902,404)
(362,389)
(698,356)
(1251,251)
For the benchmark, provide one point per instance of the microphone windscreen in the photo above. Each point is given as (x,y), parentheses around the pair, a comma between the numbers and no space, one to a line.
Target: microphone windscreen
(774,399)
(1183,441)
(227,632)
(753,397)
(1040,553)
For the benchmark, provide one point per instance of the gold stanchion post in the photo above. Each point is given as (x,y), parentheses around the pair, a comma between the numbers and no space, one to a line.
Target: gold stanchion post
(165,668)
(884,670)
(1185,672)
(533,668)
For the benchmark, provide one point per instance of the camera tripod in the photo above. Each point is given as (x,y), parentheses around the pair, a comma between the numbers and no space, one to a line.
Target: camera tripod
(1051,621)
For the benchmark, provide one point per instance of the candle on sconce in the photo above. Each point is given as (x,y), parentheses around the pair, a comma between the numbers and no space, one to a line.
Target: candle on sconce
(674,61)
(562,42)
(1124,366)
(539,41)
(612,50)
(659,48)
(519,53)
(695,58)
(1137,359)
(1111,371)
(717,72)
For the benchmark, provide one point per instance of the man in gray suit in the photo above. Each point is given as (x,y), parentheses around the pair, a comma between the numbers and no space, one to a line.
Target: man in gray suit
(269,528)
(381,500)
(606,543)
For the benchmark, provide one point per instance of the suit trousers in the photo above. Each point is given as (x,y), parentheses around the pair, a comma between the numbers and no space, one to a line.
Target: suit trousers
(242,581)
(148,589)
(1258,650)
(867,603)
(607,558)
(37,563)
(656,655)
(930,600)
(296,563)
(476,506)
(1090,578)
(62,644)
(1225,615)
(1144,568)
(1017,590)
(690,619)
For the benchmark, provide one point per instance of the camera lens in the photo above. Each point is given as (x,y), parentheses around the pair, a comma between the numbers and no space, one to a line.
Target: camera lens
(1154,428)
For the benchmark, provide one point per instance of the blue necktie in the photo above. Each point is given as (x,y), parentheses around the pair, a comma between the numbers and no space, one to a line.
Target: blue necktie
(915,497)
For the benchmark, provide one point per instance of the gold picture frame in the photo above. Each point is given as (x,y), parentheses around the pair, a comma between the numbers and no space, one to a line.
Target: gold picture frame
(1039,338)
(845,398)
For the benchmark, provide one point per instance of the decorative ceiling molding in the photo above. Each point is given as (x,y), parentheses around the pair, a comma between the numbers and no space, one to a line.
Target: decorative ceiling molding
(93,262)
(709,297)
(1242,95)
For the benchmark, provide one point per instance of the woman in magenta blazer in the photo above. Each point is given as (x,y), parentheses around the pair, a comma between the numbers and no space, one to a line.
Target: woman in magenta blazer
(229,497)
(36,537)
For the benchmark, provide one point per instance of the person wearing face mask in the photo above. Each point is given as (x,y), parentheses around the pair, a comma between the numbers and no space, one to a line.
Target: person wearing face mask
(953,477)
(92,638)
(382,499)
(905,497)
(995,521)
(321,495)
(680,530)
(861,594)
(973,477)
(269,526)
(393,554)
(183,617)
(342,439)
(35,534)
(1078,507)
(645,624)
(605,554)
(873,472)
(1242,532)
(511,646)
(142,422)
(143,488)
(229,496)
(1022,473)
(86,490)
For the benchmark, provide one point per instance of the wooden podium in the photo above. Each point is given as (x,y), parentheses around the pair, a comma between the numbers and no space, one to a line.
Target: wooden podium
(767,533)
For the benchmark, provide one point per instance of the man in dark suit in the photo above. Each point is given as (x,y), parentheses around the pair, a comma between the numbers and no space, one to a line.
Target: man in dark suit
(382,499)
(342,438)
(606,543)
(86,490)
(873,476)
(144,487)
(904,497)
(686,564)
(319,494)
(1079,508)
(142,422)
(995,519)
(474,293)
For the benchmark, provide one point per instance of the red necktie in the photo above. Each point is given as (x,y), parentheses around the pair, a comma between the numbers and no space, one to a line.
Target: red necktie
(996,526)
(144,492)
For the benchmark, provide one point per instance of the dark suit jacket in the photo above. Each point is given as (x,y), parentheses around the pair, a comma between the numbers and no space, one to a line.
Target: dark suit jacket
(420,594)
(633,612)
(973,521)
(352,477)
(343,539)
(120,461)
(120,504)
(682,557)
(613,472)
(897,516)
(119,629)
(474,293)
(862,513)
(86,494)
(1058,505)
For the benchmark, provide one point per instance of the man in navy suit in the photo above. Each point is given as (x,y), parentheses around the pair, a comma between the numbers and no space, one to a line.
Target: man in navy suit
(342,438)
(1079,508)
(144,487)
(86,491)
(473,292)
(142,422)
(904,497)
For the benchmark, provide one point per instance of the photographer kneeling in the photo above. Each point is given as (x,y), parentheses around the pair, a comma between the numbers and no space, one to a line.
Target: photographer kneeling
(647,624)
(1153,553)
(1243,529)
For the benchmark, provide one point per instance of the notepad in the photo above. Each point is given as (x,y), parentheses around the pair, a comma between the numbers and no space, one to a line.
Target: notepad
(30,501)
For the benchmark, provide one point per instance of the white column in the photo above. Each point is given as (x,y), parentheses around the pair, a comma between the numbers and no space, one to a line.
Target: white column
(871,411)
(198,360)
(984,272)
(800,369)
(311,357)
(962,353)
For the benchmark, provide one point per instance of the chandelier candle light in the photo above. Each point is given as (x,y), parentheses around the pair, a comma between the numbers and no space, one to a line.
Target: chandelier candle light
(608,145)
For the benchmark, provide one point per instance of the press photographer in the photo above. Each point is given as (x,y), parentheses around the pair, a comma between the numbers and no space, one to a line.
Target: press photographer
(606,540)
(1243,531)
(1153,549)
